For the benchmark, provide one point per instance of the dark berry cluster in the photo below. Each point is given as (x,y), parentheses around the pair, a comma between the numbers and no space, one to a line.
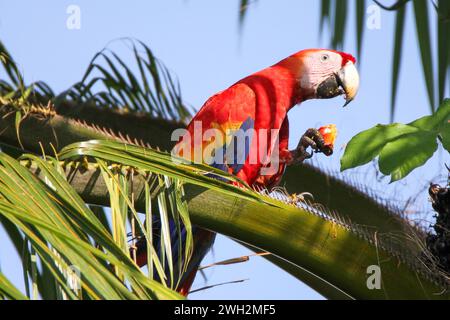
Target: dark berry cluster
(439,243)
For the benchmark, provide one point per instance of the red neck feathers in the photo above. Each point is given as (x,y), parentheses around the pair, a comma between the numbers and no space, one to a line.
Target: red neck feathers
(278,84)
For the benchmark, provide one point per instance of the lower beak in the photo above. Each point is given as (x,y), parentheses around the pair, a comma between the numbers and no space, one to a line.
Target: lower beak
(345,82)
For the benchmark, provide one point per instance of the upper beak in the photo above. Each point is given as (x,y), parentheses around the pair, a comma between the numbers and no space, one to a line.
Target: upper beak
(344,82)
(348,79)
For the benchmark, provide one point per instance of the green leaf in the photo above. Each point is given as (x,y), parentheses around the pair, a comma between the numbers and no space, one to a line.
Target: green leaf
(401,148)
(401,156)
(445,136)
(366,146)
(8,290)
(433,122)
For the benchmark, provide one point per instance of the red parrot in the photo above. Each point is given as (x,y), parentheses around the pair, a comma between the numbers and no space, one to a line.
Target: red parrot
(259,104)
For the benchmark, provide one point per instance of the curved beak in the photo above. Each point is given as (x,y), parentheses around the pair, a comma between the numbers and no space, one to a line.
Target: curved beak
(344,82)
(348,78)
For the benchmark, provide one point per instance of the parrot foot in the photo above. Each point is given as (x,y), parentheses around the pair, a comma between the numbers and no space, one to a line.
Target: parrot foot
(302,197)
(311,139)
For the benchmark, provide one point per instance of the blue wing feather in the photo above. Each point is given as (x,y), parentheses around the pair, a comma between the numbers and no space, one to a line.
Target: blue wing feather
(240,155)
(235,154)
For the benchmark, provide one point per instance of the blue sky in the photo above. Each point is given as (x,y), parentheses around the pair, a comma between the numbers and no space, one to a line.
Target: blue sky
(199,41)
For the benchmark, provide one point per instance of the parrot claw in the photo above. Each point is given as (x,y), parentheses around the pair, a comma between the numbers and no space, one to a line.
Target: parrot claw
(311,139)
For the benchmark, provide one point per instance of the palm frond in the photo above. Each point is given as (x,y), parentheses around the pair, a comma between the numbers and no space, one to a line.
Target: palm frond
(108,81)
(424,40)
(64,233)
(340,23)
(395,6)
(360,21)
(243,9)
(8,290)
(325,11)
(157,162)
(443,47)
(396,64)
(11,69)
(14,87)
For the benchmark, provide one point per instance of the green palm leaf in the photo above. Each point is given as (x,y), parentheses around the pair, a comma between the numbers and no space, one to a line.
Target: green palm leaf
(60,227)
(423,38)
(8,290)
(443,47)
(120,87)
(396,64)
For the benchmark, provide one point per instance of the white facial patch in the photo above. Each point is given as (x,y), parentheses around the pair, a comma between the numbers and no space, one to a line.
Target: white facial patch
(317,69)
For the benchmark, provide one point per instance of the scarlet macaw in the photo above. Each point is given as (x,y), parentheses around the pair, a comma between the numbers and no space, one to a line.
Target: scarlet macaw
(260,102)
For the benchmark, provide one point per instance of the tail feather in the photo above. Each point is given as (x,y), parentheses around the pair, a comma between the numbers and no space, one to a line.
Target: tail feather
(185,287)
(203,241)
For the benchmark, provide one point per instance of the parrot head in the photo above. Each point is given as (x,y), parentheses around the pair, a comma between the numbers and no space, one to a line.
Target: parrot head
(324,74)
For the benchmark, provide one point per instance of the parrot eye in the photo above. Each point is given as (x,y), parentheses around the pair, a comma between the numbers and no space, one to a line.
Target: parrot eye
(324,58)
